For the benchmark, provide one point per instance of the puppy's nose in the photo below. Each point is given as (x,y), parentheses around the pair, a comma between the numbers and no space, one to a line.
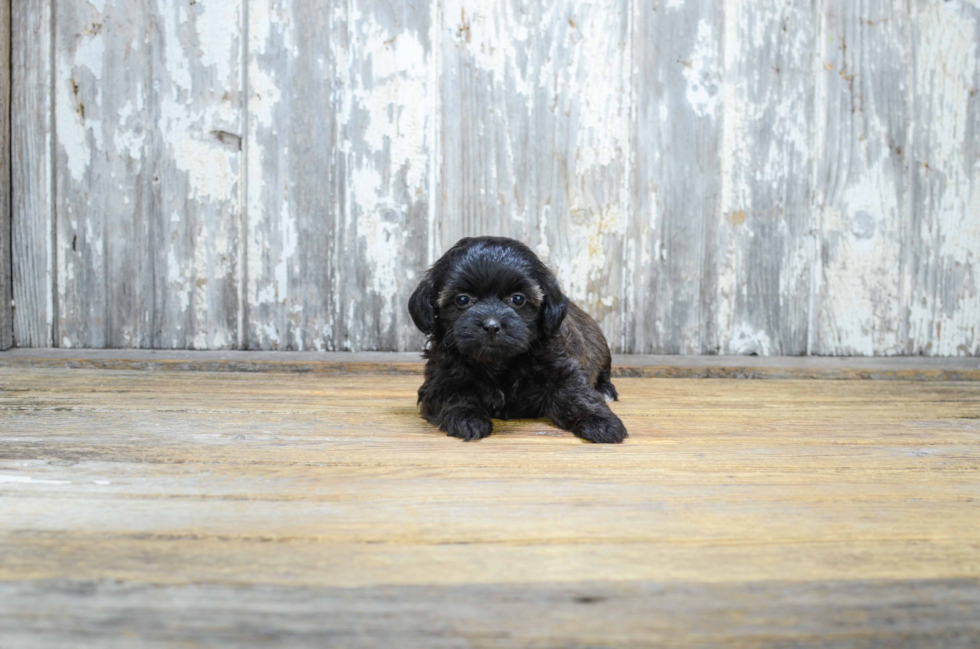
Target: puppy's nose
(491,326)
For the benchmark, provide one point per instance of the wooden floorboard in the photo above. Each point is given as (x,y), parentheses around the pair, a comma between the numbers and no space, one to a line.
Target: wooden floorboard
(963,368)
(144,508)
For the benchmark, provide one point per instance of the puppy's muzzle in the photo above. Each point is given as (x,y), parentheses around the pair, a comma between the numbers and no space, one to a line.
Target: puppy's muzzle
(491,326)
(490,331)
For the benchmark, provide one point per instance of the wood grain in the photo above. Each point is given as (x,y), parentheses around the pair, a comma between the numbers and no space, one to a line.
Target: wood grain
(195,115)
(534,138)
(295,176)
(148,122)
(944,237)
(676,131)
(31,141)
(580,616)
(6,264)
(750,500)
(762,246)
(338,173)
(381,245)
(862,195)
(709,177)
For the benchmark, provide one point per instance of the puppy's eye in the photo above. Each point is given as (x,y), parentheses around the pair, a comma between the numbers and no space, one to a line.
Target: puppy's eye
(517,299)
(463,300)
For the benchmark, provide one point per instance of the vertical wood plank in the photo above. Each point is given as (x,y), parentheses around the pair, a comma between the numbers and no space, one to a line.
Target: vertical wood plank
(340,125)
(761,241)
(196,149)
(385,125)
(294,189)
(101,89)
(943,257)
(535,138)
(580,152)
(196,110)
(487,176)
(862,145)
(148,123)
(6,288)
(31,140)
(676,130)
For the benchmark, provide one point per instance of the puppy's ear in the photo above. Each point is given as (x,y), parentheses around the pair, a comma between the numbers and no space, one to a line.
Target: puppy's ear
(554,307)
(422,306)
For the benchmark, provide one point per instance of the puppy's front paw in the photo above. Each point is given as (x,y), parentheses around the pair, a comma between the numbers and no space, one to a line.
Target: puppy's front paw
(467,427)
(602,429)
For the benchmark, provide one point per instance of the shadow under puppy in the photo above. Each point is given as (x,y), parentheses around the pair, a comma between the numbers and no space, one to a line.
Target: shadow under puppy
(504,342)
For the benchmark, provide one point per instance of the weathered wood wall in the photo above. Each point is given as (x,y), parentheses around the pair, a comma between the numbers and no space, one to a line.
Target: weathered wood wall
(723,176)
(6,287)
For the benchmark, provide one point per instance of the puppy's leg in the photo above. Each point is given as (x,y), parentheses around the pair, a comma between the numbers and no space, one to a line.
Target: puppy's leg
(453,410)
(466,421)
(605,387)
(577,407)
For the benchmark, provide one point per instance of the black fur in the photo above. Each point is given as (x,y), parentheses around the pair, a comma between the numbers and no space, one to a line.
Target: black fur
(495,358)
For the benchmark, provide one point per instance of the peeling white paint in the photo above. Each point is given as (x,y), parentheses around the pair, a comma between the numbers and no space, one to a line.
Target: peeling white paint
(188,126)
(395,100)
(861,276)
(766,131)
(552,144)
(747,340)
(701,72)
(944,313)
(179,282)
(287,226)
(734,156)
(595,81)
(391,99)
(73,135)
(492,34)
(212,24)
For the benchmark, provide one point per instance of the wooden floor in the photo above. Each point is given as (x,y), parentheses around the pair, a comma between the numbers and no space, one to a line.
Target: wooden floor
(142,508)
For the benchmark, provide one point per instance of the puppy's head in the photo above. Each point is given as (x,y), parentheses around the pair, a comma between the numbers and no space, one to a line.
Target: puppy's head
(490,298)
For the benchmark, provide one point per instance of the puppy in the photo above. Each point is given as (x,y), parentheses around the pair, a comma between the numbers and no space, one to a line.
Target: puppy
(504,342)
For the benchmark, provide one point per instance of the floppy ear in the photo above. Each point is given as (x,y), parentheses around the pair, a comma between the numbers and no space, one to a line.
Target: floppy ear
(422,307)
(554,307)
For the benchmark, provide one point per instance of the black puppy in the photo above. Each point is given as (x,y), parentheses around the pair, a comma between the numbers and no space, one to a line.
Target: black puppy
(505,343)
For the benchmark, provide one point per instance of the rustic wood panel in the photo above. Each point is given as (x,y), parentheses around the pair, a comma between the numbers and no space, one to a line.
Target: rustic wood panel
(101,73)
(718,177)
(6,264)
(535,138)
(30,165)
(676,130)
(340,127)
(942,258)
(768,503)
(295,180)
(386,131)
(635,615)
(760,247)
(196,110)
(149,149)
(862,144)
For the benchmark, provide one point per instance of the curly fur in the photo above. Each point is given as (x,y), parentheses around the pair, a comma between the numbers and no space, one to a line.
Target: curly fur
(494,358)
